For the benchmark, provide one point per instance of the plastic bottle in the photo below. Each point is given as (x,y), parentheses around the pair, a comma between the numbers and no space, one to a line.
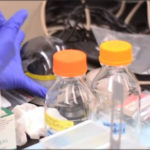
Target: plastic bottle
(68,101)
(37,56)
(118,93)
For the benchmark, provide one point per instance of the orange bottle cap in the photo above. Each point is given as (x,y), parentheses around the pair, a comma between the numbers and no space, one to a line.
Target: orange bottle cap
(115,53)
(70,63)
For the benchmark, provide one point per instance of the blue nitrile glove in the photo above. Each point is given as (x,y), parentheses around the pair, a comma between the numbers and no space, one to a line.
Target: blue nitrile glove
(8,31)
(12,75)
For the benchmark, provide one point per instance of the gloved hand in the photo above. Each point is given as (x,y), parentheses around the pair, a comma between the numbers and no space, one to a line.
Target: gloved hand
(8,33)
(11,71)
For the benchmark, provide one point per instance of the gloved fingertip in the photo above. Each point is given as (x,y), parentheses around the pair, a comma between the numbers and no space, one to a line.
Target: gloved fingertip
(22,13)
(33,87)
(19,16)
(39,91)
(42,92)
(16,21)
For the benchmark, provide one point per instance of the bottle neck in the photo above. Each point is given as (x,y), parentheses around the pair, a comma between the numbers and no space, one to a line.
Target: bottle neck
(70,78)
(108,71)
(116,69)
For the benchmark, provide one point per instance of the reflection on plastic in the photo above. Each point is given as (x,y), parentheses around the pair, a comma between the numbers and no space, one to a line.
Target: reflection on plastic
(87,135)
(139,42)
(37,54)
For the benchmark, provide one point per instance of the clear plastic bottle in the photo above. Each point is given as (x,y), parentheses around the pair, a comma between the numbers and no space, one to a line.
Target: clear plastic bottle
(118,93)
(68,101)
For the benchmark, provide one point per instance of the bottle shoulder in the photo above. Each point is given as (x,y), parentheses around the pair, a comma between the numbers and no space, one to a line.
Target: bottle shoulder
(68,89)
(64,82)
(105,79)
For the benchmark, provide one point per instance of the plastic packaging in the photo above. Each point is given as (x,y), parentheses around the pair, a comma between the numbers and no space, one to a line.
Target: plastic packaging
(144,132)
(140,44)
(68,101)
(86,135)
(118,93)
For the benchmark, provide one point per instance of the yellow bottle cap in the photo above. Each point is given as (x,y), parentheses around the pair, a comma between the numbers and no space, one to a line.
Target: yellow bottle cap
(115,53)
